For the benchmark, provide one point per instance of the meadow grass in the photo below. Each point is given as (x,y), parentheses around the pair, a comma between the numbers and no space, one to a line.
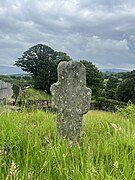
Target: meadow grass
(29,148)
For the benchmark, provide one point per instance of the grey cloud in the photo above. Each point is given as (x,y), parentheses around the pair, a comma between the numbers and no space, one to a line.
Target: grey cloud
(101,31)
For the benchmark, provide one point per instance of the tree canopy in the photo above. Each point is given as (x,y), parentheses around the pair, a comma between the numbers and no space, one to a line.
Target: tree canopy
(41,61)
(94,78)
(126,89)
(111,87)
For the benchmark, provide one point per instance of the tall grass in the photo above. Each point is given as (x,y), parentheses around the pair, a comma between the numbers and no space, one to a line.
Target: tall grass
(29,148)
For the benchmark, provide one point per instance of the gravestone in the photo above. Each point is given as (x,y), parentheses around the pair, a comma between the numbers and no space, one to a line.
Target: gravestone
(6,91)
(71,98)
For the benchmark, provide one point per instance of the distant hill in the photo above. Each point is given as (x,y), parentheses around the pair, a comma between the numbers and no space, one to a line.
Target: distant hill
(113,70)
(9,70)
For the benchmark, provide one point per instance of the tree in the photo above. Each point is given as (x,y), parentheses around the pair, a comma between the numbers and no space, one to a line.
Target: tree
(41,61)
(126,90)
(128,75)
(94,78)
(111,87)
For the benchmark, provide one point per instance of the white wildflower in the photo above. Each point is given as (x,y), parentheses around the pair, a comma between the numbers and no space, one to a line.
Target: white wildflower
(114,126)
(115,165)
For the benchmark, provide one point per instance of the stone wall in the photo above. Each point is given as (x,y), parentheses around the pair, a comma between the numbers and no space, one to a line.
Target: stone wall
(36,104)
(106,106)
(47,105)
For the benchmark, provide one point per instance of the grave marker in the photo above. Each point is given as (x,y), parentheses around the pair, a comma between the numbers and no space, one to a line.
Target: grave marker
(5,90)
(71,98)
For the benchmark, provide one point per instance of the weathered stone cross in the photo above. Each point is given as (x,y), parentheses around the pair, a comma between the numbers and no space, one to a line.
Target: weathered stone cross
(71,98)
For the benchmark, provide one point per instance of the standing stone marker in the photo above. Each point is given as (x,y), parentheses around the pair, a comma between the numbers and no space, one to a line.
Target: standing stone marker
(71,98)
(5,90)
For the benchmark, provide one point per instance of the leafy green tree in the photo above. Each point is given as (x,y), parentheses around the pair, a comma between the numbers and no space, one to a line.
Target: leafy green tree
(126,90)
(128,75)
(111,87)
(41,61)
(94,78)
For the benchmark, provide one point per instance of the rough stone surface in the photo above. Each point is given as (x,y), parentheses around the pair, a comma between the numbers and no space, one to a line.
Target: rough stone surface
(5,90)
(71,98)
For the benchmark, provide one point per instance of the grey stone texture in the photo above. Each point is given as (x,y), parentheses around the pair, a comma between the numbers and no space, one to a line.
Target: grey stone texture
(5,90)
(71,98)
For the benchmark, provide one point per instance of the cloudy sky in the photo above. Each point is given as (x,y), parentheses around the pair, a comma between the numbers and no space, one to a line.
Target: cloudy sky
(101,31)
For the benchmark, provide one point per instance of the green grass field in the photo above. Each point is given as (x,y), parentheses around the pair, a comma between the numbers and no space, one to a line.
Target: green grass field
(29,149)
